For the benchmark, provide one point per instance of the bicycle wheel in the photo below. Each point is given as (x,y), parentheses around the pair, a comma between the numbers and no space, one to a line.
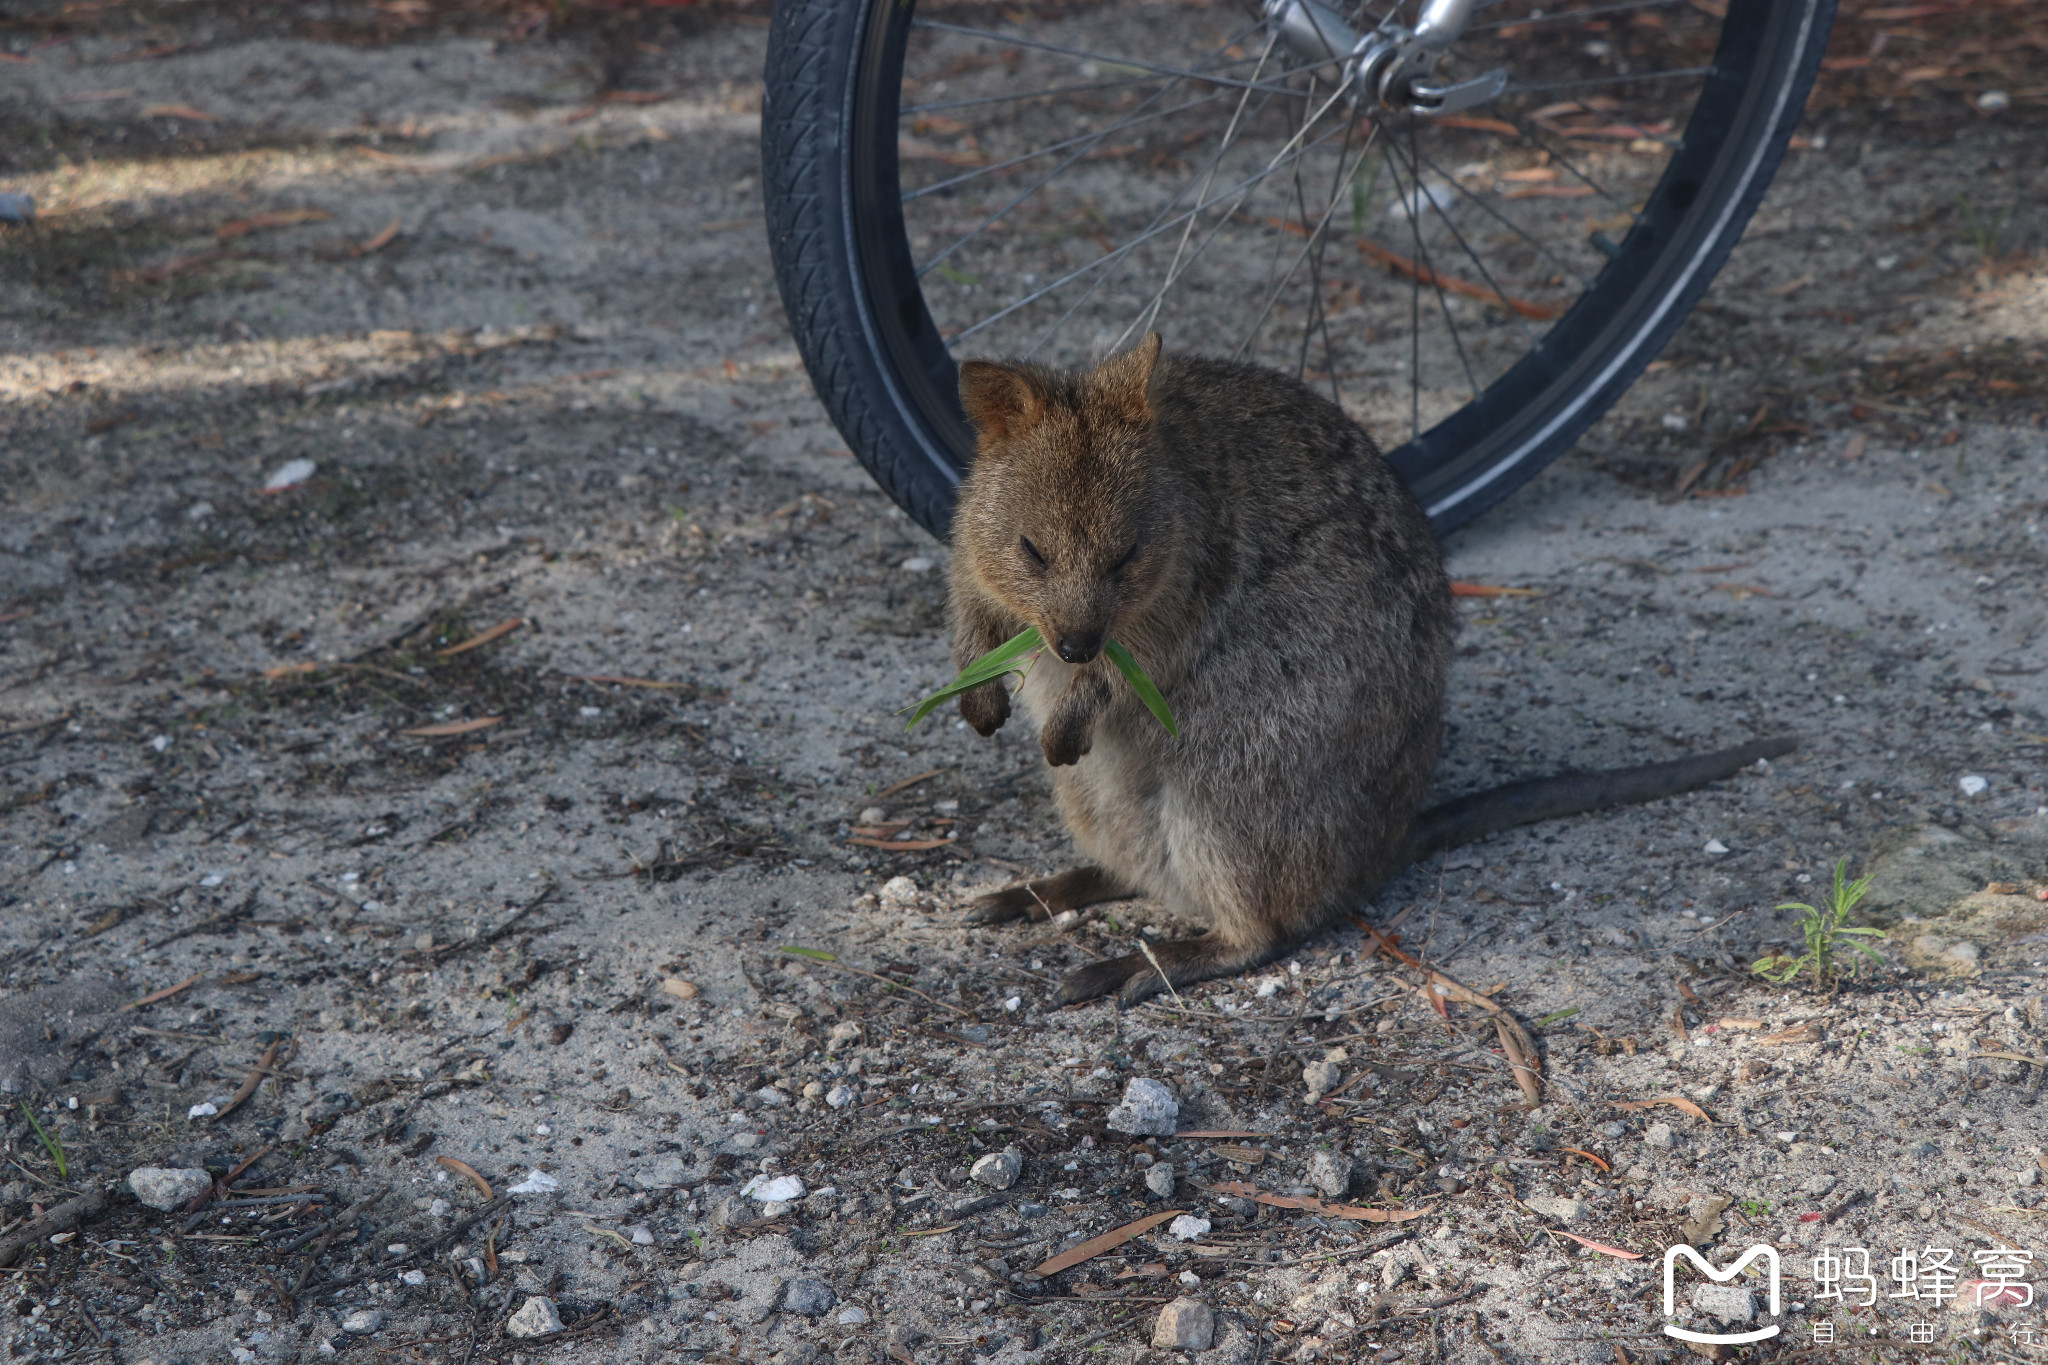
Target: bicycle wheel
(947,178)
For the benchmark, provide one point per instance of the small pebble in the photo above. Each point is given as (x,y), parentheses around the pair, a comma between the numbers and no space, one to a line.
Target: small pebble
(1716,847)
(1973,785)
(809,1298)
(536,1318)
(899,891)
(1994,101)
(777,1190)
(1321,1078)
(167,1188)
(366,1320)
(839,1096)
(851,1316)
(415,1278)
(1187,1227)
(1148,1109)
(998,1170)
(679,988)
(1184,1325)
(1159,1180)
(1330,1173)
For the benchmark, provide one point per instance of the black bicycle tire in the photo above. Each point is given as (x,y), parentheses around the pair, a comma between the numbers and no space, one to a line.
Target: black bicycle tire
(886,380)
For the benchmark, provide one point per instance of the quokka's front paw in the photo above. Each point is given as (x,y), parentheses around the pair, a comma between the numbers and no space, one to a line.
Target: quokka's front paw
(986,707)
(1066,743)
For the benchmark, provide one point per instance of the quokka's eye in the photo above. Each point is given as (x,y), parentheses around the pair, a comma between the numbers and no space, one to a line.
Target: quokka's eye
(1032,550)
(1125,562)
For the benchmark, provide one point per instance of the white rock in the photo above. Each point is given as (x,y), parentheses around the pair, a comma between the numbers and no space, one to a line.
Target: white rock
(1659,1137)
(1187,1227)
(916,564)
(641,1234)
(1269,986)
(1973,785)
(1994,101)
(1184,1325)
(363,1321)
(771,1097)
(899,891)
(415,1278)
(289,474)
(850,1316)
(536,1182)
(1148,1108)
(166,1187)
(839,1096)
(1716,847)
(1330,1173)
(843,1032)
(1159,1180)
(1321,1077)
(998,1170)
(206,1109)
(1561,1207)
(536,1318)
(764,1189)
(1728,1302)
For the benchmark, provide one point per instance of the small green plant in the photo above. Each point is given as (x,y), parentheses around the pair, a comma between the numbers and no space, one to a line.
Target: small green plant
(50,1143)
(1004,658)
(1986,234)
(1827,933)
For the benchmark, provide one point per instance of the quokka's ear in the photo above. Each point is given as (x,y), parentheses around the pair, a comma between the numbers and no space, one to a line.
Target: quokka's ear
(1124,381)
(1000,402)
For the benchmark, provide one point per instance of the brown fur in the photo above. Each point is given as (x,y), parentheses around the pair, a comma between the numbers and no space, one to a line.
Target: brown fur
(1244,540)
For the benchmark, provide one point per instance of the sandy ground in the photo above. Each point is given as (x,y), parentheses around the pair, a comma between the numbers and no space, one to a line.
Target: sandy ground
(560,395)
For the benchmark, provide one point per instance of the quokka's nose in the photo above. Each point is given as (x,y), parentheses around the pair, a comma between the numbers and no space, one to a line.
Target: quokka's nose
(1079,649)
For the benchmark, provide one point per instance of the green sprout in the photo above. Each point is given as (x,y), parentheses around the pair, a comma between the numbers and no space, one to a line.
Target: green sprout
(1827,932)
(50,1143)
(1003,660)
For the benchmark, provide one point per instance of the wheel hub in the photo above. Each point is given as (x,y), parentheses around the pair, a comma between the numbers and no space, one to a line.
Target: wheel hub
(1391,69)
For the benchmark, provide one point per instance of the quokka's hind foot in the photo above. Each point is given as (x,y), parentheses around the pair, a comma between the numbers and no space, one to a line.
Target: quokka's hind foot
(1132,977)
(1047,896)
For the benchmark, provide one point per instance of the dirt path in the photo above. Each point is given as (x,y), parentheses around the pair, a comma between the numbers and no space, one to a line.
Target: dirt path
(527,336)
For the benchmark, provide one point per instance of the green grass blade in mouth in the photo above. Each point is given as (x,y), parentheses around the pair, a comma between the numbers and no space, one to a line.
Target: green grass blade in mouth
(1147,690)
(989,667)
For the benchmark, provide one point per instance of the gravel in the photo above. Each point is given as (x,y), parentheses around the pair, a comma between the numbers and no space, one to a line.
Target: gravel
(168,1188)
(1147,1108)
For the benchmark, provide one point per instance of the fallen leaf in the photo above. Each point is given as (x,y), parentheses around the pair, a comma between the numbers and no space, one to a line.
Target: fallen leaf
(380,241)
(679,988)
(184,111)
(1095,1246)
(1537,312)
(454,727)
(1533,175)
(902,845)
(1580,1151)
(499,631)
(1803,1033)
(1250,1156)
(636,96)
(468,1172)
(1730,1021)
(1675,1101)
(1601,1247)
(166,993)
(286,670)
(1245,1190)
(241,227)
(1547,192)
(1156,1270)
(1478,125)
(1486,590)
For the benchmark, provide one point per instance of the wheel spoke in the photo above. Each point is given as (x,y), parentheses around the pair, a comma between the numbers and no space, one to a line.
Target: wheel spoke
(1117,254)
(1133,63)
(1090,138)
(1510,224)
(1522,126)
(1569,16)
(1674,73)
(1422,259)
(1307,246)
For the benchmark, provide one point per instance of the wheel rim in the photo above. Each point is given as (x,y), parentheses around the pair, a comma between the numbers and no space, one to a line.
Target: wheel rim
(1584,310)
